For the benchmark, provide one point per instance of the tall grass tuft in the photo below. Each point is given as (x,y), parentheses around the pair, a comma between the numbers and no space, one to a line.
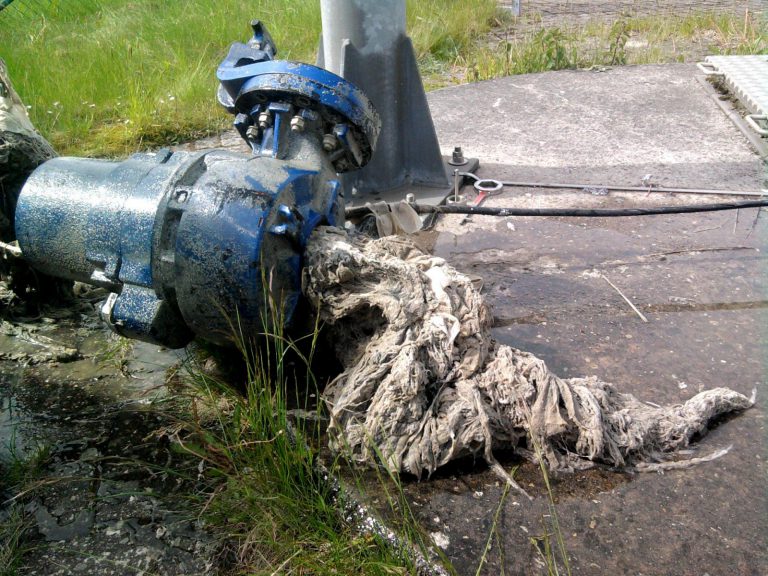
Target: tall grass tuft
(13,529)
(627,40)
(257,445)
(18,476)
(551,543)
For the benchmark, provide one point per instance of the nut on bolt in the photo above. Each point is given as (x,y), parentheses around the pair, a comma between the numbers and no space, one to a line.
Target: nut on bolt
(252,132)
(297,124)
(329,142)
(265,120)
(457,158)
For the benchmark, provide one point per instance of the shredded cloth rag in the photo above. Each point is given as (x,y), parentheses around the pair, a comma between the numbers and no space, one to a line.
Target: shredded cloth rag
(424,383)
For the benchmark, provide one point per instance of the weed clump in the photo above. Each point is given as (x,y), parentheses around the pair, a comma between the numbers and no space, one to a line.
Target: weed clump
(264,488)
(18,474)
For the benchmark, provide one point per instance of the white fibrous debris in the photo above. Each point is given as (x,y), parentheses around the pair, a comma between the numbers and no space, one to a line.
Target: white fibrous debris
(424,383)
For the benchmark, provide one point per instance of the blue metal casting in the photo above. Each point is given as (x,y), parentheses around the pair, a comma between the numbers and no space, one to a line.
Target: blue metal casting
(193,244)
(263,93)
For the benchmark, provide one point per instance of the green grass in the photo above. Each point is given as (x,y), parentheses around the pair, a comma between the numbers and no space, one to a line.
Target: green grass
(12,541)
(108,77)
(116,351)
(628,40)
(494,532)
(550,545)
(264,492)
(19,470)
(116,75)
(18,473)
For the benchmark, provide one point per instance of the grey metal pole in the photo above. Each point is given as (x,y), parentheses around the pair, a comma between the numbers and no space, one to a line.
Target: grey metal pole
(365,42)
(372,26)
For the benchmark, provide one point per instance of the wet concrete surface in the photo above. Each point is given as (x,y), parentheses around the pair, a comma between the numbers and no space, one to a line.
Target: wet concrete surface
(699,279)
(112,496)
(700,282)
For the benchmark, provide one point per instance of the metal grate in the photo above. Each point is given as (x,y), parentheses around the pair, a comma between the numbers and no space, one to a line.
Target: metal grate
(747,79)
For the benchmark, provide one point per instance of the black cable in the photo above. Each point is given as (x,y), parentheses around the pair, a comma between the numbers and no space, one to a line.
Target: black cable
(571,212)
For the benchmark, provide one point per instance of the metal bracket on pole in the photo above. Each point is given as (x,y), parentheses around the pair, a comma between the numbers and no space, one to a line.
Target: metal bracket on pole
(366,43)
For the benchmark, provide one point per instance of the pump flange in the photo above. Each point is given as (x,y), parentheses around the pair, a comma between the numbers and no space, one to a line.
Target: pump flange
(252,85)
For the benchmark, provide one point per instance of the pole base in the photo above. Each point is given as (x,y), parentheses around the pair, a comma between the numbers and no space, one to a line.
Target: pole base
(424,194)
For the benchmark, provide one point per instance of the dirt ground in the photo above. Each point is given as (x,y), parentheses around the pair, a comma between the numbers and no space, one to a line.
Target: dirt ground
(113,495)
(573,12)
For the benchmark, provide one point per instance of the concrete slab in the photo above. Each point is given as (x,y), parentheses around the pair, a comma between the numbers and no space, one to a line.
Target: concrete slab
(620,124)
(700,280)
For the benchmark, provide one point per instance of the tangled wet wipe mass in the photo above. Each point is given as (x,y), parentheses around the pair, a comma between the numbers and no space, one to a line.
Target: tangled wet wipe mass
(424,383)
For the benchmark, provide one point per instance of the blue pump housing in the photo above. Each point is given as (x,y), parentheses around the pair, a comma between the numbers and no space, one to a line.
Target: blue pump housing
(199,244)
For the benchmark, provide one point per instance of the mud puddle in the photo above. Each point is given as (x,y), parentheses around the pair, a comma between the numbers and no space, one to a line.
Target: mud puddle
(111,495)
(699,281)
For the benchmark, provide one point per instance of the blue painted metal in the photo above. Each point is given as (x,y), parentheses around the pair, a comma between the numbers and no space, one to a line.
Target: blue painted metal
(251,84)
(194,244)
